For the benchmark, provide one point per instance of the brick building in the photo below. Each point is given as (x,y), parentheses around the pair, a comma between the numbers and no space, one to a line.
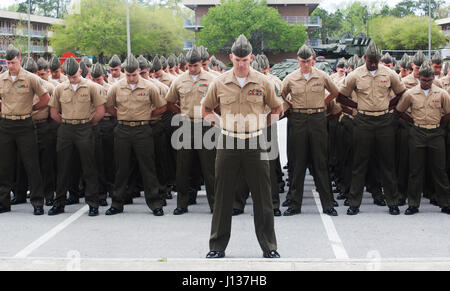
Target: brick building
(293,11)
(14,29)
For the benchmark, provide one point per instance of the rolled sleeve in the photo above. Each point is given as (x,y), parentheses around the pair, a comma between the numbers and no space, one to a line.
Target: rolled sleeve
(349,85)
(211,100)
(97,95)
(404,102)
(157,100)
(172,95)
(396,84)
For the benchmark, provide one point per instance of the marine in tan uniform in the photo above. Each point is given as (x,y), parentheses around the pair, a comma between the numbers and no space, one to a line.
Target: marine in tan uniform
(437,63)
(243,95)
(132,100)
(55,70)
(159,73)
(71,105)
(104,142)
(387,61)
(427,102)
(309,137)
(17,90)
(46,140)
(374,131)
(43,71)
(206,61)
(172,63)
(182,63)
(188,90)
(115,67)
(161,135)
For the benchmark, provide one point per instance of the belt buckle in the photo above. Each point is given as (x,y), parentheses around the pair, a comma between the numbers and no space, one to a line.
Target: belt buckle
(14,117)
(133,124)
(309,111)
(75,122)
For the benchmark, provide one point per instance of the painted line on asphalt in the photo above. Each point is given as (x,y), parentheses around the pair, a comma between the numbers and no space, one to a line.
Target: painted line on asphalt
(50,234)
(333,236)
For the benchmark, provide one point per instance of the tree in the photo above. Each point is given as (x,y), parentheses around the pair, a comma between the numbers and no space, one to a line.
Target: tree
(100,29)
(50,8)
(261,24)
(408,33)
(331,23)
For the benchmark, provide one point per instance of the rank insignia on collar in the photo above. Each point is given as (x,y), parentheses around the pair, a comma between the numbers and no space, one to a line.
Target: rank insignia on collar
(22,86)
(257,92)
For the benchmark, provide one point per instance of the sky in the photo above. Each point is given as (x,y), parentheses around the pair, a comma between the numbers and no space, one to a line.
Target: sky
(330,5)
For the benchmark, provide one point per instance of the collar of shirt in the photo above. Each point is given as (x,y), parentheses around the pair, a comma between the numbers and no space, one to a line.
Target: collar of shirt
(83,83)
(19,76)
(300,76)
(230,77)
(140,84)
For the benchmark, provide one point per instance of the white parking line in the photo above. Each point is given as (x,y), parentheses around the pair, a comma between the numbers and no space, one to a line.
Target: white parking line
(49,235)
(333,236)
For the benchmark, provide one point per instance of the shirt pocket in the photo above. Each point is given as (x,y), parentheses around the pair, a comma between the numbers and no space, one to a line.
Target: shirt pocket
(122,98)
(143,97)
(228,100)
(384,83)
(84,98)
(65,98)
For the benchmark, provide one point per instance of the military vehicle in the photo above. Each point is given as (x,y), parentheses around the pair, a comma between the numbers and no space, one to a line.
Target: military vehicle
(345,47)
(281,70)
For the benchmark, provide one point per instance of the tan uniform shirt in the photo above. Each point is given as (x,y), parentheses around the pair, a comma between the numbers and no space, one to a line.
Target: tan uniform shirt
(106,87)
(445,82)
(190,93)
(337,79)
(308,93)
(246,103)
(112,81)
(62,78)
(373,92)
(425,110)
(44,112)
(53,82)
(77,104)
(411,82)
(136,104)
(17,96)
(166,79)
(162,89)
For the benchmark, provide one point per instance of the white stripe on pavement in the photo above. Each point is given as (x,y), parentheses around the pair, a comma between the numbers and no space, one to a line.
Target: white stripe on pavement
(49,235)
(333,236)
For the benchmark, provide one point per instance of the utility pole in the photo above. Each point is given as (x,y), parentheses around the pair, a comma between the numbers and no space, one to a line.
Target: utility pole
(29,28)
(128,32)
(429,29)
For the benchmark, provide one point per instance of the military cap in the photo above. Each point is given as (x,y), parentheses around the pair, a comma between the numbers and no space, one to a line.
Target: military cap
(11,52)
(203,53)
(29,65)
(213,61)
(361,62)
(409,64)
(84,69)
(143,63)
(341,63)
(182,59)
(372,51)
(86,61)
(256,66)
(163,61)
(156,65)
(42,64)
(419,58)
(351,63)
(193,56)
(241,47)
(437,59)
(71,66)
(265,62)
(387,59)
(305,52)
(114,61)
(54,64)
(172,61)
(446,67)
(131,64)
(426,70)
(97,71)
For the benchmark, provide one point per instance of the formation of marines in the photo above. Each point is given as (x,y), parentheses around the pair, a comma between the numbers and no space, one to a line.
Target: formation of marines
(76,129)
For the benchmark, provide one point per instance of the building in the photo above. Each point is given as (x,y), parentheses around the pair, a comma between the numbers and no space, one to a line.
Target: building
(14,29)
(293,11)
(445,26)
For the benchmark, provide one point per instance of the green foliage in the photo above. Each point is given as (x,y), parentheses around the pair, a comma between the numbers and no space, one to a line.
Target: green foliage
(407,33)
(51,8)
(100,29)
(261,24)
